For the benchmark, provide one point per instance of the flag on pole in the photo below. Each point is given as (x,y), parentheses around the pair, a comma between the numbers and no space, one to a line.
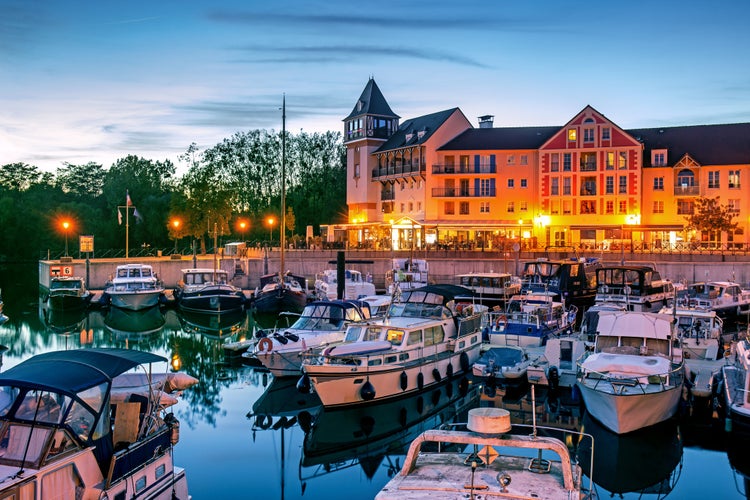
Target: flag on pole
(137,216)
(127,199)
(119,217)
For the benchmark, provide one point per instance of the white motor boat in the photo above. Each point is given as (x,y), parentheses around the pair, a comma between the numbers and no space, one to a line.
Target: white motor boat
(633,379)
(134,286)
(322,323)
(735,387)
(485,461)
(491,289)
(68,432)
(421,341)
(728,299)
(530,319)
(406,274)
(355,285)
(67,292)
(635,287)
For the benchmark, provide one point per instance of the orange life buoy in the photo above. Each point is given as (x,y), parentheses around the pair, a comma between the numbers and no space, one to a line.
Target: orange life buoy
(265,344)
(501,319)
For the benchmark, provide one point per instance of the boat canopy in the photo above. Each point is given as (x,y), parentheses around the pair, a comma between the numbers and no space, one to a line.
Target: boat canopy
(432,294)
(70,372)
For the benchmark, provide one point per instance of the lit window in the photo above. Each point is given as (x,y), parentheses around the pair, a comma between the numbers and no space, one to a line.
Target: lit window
(610,161)
(623,207)
(734,179)
(658,207)
(572,134)
(610,208)
(623,160)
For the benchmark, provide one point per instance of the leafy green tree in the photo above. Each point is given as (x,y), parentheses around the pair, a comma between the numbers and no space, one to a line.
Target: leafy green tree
(81,180)
(711,217)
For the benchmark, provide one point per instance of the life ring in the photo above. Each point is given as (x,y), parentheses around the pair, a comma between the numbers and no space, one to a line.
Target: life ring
(502,318)
(265,345)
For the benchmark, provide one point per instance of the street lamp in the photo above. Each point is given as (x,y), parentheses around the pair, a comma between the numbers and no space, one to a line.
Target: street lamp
(176,225)
(270,221)
(66,226)
(243,225)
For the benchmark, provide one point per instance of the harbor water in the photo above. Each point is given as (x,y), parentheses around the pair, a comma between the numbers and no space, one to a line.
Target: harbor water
(244,434)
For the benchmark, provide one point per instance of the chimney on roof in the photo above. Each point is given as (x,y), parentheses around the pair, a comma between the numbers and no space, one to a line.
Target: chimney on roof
(486,121)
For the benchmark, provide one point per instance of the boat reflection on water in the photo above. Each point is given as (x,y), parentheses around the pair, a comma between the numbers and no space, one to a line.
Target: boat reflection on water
(647,461)
(282,405)
(219,325)
(126,323)
(739,460)
(367,435)
(63,321)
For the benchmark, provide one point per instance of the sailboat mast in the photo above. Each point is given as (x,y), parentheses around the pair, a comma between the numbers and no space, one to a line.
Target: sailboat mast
(283,182)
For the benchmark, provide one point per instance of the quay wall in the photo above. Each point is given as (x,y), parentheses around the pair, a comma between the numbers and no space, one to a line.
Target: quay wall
(443,265)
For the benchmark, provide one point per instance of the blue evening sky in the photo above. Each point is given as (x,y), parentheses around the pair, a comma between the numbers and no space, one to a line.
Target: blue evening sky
(88,81)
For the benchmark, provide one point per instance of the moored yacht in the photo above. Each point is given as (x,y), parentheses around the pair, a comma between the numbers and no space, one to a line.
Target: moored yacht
(490,289)
(67,292)
(633,378)
(406,274)
(727,298)
(635,287)
(134,286)
(68,433)
(355,285)
(421,341)
(207,290)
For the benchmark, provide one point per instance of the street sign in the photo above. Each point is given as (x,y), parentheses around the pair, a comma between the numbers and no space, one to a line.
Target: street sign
(86,243)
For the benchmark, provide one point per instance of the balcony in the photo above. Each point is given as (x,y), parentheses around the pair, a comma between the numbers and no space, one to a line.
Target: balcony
(392,172)
(462,193)
(464,169)
(687,190)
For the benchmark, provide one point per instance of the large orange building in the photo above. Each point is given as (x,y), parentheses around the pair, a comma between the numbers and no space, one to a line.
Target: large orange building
(438,181)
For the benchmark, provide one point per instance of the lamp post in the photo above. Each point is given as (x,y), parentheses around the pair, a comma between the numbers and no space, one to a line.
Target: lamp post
(243,226)
(270,221)
(176,225)
(66,226)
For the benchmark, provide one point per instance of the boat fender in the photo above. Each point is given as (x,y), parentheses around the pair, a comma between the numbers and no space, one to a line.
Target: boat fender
(647,304)
(279,423)
(367,391)
(436,374)
(449,370)
(420,381)
(265,345)
(303,384)
(174,425)
(291,336)
(463,386)
(305,421)
(553,376)
(464,358)
(435,397)
(263,421)
(282,340)
(404,380)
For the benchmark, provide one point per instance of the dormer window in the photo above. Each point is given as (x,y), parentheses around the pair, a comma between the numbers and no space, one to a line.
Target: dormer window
(572,134)
(658,157)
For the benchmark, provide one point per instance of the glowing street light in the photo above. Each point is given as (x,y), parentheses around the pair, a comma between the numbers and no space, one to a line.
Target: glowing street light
(176,225)
(66,226)
(270,221)
(242,224)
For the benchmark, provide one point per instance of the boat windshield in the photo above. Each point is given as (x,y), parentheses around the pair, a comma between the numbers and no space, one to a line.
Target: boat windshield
(56,285)
(326,317)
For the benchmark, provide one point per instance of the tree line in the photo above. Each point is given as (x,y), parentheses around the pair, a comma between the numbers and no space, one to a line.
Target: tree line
(231,189)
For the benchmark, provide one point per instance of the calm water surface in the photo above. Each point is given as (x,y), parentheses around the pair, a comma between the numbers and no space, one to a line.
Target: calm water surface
(244,434)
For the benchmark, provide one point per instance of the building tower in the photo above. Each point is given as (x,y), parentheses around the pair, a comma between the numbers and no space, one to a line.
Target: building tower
(367,127)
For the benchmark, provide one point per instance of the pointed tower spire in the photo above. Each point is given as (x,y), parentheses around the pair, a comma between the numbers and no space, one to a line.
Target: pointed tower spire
(371,116)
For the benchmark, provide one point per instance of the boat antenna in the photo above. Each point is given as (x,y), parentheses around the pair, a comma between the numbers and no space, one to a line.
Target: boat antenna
(282,229)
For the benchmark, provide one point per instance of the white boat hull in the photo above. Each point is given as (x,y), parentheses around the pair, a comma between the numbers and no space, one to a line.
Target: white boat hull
(135,300)
(287,361)
(341,385)
(631,409)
